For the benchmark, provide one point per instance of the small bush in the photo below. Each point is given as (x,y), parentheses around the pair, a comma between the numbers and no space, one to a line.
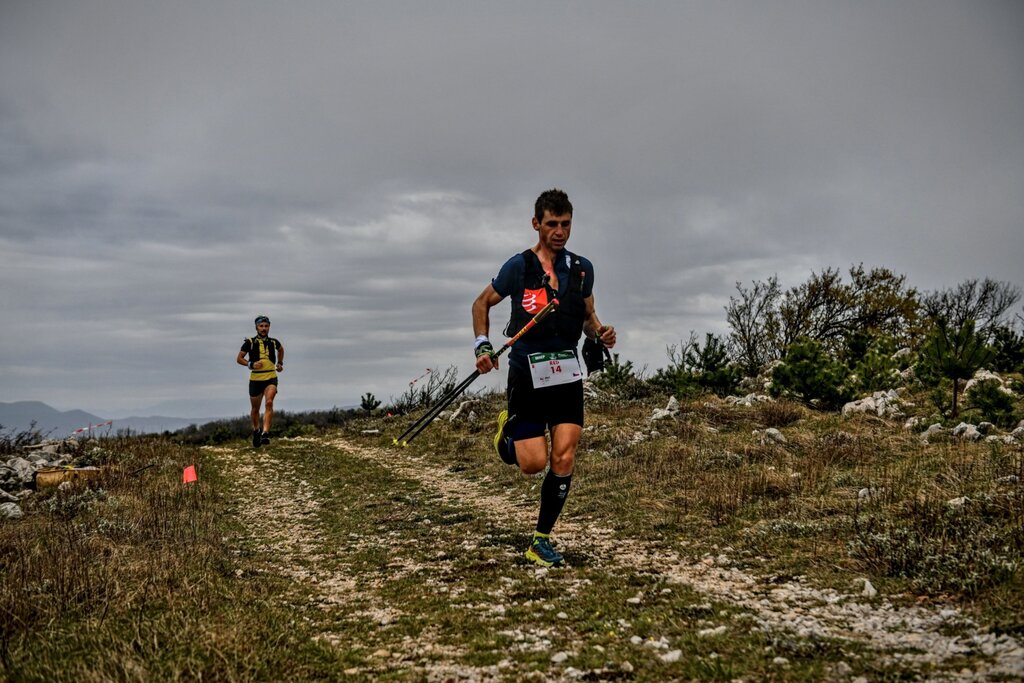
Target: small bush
(953,353)
(809,374)
(877,370)
(369,402)
(1009,348)
(694,369)
(621,378)
(994,404)
(940,395)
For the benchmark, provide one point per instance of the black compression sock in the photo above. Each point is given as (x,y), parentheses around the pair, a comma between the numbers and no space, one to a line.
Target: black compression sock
(553,493)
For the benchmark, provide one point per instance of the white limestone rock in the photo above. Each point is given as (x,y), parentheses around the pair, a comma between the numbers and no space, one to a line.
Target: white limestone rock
(933,430)
(987,376)
(769,436)
(967,432)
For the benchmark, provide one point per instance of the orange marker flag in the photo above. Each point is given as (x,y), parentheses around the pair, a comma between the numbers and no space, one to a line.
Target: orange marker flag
(189,475)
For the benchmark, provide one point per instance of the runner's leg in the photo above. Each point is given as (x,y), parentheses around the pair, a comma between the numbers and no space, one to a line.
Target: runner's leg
(564,440)
(254,413)
(532,454)
(555,489)
(268,413)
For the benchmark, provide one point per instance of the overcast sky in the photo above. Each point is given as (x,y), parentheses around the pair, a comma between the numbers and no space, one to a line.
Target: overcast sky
(358,171)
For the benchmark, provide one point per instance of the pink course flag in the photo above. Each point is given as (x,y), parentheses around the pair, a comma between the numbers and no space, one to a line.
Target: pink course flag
(189,475)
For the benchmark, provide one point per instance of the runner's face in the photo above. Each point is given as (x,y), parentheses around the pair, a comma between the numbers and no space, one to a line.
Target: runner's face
(553,230)
(263,329)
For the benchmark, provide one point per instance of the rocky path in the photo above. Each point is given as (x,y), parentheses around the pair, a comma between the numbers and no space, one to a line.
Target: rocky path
(280,511)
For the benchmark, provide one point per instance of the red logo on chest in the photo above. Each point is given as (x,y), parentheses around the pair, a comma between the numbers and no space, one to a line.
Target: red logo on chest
(535,299)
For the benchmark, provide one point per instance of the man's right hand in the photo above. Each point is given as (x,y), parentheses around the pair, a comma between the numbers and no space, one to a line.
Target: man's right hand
(485,358)
(486,363)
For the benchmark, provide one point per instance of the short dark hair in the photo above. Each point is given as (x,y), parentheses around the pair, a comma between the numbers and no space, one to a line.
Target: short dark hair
(554,201)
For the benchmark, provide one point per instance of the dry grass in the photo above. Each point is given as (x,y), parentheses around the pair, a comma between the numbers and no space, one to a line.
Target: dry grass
(153,574)
(779,413)
(831,477)
(134,566)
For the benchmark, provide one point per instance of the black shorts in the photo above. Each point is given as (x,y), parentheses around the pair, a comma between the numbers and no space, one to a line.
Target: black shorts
(535,410)
(257,388)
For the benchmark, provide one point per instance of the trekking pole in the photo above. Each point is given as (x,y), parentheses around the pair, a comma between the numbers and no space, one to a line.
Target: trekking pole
(441,404)
(415,428)
(419,425)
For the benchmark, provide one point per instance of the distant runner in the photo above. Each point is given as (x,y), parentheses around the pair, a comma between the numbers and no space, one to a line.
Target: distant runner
(264,355)
(545,381)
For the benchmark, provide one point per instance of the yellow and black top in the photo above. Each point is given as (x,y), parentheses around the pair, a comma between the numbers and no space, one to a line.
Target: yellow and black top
(262,349)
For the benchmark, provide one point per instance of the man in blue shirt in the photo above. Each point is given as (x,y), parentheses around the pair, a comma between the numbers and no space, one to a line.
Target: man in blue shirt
(545,380)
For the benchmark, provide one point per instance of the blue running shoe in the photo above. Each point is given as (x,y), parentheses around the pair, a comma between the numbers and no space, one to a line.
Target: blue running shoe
(501,443)
(540,552)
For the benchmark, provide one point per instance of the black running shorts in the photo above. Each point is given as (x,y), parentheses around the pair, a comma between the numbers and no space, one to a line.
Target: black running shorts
(535,410)
(256,388)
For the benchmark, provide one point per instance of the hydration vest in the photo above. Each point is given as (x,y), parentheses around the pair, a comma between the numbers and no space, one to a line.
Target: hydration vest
(254,349)
(566,322)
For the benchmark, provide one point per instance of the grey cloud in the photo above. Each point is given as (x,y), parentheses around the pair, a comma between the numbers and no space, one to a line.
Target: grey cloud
(359,171)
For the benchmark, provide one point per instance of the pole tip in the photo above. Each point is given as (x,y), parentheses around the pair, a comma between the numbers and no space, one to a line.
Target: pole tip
(405,444)
(394,442)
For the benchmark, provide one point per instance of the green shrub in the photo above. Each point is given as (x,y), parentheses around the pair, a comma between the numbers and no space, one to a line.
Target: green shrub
(677,382)
(694,369)
(369,402)
(809,374)
(622,379)
(711,366)
(1009,348)
(877,370)
(955,353)
(941,396)
(994,404)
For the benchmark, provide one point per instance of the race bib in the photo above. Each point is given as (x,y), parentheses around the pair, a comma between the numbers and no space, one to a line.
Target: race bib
(553,368)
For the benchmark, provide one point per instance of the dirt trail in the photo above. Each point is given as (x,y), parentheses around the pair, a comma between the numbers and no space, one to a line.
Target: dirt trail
(278,510)
(908,634)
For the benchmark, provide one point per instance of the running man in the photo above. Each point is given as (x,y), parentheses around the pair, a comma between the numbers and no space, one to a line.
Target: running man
(545,381)
(264,355)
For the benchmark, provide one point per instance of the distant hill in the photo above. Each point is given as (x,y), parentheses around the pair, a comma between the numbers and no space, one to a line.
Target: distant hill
(19,416)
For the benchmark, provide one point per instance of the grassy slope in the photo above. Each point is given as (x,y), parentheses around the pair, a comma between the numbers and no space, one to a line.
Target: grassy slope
(309,559)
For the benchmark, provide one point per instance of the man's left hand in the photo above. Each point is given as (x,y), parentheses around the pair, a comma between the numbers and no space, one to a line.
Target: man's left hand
(608,336)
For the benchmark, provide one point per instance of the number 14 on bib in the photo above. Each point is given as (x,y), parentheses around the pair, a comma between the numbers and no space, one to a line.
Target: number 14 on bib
(553,368)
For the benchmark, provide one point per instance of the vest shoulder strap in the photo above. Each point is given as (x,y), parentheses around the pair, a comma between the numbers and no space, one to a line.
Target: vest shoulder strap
(535,271)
